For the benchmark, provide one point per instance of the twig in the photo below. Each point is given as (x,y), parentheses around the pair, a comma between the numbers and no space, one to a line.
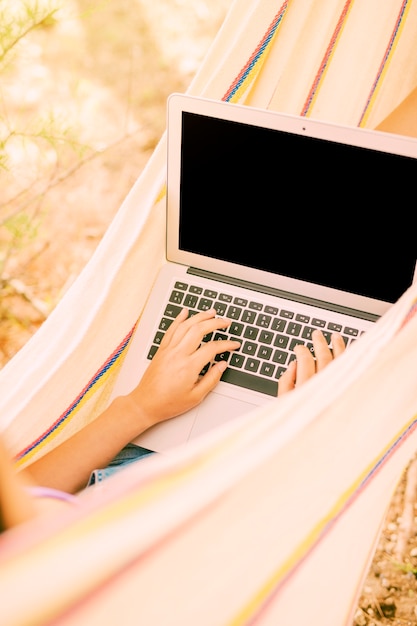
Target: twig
(23,291)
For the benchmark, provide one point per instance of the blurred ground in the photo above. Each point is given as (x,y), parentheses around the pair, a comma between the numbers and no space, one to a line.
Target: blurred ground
(106,71)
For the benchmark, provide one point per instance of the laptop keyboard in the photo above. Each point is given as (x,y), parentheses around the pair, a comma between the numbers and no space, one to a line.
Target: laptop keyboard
(268,334)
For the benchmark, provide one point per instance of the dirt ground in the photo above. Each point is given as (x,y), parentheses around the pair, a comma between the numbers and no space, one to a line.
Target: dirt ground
(108,68)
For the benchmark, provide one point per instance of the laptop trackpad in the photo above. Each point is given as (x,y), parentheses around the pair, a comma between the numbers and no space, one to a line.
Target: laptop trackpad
(216,410)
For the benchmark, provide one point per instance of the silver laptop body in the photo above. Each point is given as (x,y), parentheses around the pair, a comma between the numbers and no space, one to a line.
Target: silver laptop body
(282,223)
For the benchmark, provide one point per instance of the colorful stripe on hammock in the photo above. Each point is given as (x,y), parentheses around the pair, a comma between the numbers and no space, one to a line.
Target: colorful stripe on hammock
(247,75)
(254,65)
(99,378)
(326,59)
(135,498)
(259,603)
(410,314)
(399,25)
(137,495)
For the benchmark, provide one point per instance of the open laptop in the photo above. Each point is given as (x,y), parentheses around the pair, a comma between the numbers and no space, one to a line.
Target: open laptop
(282,223)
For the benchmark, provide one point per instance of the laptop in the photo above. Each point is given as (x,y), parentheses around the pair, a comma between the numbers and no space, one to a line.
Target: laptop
(283,224)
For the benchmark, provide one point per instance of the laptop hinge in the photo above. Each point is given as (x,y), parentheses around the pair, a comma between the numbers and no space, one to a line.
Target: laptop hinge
(271,291)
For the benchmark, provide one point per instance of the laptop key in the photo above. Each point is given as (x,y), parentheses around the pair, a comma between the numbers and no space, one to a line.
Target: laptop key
(236,360)
(278,325)
(220,308)
(307,332)
(252,365)
(251,333)
(235,328)
(266,336)
(281,341)
(263,320)
(223,356)
(267,369)
(209,293)
(352,332)
(249,347)
(248,317)
(250,381)
(296,342)
(317,322)
(195,289)
(176,296)
(294,329)
(327,336)
(190,301)
(271,310)
(280,356)
(287,314)
(158,337)
(280,371)
(334,328)
(205,304)
(264,352)
(233,312)
(152,352)
(165,323)
(172,310)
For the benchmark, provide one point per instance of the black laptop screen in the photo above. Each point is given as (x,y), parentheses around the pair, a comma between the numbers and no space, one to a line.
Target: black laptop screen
(315,210)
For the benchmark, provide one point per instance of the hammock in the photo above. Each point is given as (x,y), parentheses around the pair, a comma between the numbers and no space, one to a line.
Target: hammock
(253,523)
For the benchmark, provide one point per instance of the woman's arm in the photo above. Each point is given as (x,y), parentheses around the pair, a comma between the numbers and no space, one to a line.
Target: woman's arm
(16,505)
(170,386)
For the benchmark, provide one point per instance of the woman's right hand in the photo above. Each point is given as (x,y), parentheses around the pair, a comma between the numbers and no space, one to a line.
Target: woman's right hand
(305,365)
(172,383)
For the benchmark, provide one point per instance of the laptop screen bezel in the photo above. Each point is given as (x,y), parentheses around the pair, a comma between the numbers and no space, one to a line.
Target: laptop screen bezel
(376,140)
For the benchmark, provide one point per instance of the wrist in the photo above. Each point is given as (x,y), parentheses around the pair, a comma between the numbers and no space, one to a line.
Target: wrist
(131,417)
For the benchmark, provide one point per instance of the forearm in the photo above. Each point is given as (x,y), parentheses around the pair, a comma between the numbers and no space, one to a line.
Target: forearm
(16,505)
(68,466)
(171,385)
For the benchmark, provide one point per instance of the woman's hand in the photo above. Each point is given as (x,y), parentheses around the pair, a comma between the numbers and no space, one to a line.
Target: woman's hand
(305,365)
(172,383)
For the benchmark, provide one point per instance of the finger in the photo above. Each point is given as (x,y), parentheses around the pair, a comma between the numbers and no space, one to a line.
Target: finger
(204,326)
(193,329)
(306,366)
(322,351)
(196,332)
(211,349)
(208,382)
(172,330)
(288,378)
(338,345)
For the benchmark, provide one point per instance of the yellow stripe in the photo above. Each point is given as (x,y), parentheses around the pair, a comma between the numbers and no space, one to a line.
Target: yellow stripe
(380,81)
(259,598)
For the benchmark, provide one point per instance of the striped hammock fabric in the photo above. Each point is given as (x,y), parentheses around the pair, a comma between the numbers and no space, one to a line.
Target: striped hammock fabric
(237,528)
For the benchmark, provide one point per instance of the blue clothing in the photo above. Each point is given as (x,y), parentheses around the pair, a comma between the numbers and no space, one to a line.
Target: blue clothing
(129,454)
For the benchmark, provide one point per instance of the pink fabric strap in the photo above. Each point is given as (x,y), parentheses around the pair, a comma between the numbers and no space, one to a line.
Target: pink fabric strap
(48,492)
